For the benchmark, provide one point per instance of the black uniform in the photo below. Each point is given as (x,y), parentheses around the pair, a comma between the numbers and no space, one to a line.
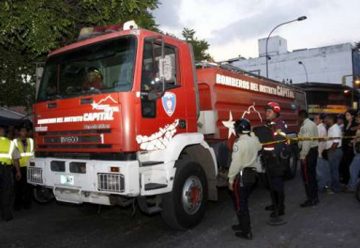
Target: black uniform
(6,191)
(348,153)
(241,195)
(274,162)
(6,178)
(308,172)
(23,190)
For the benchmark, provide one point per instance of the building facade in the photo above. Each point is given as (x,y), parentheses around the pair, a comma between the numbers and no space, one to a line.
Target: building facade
(327,64)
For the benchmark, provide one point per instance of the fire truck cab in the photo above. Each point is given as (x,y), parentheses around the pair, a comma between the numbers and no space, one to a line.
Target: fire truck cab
(116,120)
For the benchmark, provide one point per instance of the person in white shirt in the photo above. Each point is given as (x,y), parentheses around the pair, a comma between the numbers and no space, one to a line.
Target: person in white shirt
(322,167)
(334,151)
(308,158)
(242,175)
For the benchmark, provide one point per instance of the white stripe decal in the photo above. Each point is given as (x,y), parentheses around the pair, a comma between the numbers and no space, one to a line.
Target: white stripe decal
(31,145)
(2,155)
(26,154)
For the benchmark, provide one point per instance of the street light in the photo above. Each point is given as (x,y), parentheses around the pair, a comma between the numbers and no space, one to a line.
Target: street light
(357,82)
(306,73)
(301,18)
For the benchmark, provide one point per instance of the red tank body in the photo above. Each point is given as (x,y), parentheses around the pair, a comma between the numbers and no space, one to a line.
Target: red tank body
(224,91)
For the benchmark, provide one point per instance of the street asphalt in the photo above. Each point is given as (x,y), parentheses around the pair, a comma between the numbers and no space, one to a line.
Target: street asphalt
(335,222)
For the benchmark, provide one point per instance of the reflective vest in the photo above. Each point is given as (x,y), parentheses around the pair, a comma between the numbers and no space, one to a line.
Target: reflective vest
(6,149)
(25,153)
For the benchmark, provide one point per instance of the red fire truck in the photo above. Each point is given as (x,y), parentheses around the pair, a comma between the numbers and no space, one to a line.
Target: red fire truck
(124,115)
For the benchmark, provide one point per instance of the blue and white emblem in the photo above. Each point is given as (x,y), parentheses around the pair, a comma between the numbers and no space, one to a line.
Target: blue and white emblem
(169,103)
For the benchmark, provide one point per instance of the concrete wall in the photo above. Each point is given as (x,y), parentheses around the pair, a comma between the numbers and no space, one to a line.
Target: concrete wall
(324,64)
(276,45)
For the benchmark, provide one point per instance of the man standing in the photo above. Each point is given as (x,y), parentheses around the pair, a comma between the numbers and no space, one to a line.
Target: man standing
(355,164)
(334,151)
(322,167)
(242,175)
(8,156)
(308,158)
(274,163)
(23,190)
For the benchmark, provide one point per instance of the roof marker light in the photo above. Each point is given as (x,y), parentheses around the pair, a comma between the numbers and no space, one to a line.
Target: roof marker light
(89,32)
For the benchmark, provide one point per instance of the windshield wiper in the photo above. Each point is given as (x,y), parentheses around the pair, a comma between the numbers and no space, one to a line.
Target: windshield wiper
(92,90)
(54,97)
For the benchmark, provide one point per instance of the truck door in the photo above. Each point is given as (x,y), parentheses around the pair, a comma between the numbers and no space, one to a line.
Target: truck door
(164,116)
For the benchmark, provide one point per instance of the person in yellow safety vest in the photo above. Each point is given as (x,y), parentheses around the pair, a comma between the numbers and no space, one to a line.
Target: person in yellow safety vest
(23,190)
(9,157)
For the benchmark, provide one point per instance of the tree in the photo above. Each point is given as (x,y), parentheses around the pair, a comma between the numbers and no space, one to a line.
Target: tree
(200,47)
(29,29)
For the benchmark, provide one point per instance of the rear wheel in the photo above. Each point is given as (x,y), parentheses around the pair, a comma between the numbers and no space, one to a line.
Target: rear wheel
(184,207)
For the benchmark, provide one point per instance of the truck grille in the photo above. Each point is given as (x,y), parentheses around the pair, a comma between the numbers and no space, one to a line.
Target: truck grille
(34,175)
(73,139)
(111,182)
(75,146)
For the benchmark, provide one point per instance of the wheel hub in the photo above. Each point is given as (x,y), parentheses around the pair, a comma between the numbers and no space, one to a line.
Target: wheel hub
(192,195)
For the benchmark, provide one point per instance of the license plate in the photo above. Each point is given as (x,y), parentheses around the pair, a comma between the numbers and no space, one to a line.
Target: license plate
(65,179)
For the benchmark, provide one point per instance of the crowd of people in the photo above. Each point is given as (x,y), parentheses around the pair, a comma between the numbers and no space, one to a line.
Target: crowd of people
(338,164)
(16,149)
(329,155)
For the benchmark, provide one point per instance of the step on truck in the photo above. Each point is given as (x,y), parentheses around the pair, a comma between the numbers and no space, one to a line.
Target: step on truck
(123,115)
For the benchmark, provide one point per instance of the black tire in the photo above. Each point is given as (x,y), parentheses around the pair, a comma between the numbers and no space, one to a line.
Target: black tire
(173,211)
(292,166)
(357,192)
(43,195)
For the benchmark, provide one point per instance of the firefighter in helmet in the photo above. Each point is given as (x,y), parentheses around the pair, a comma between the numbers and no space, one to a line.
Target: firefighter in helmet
(242,175)
(274,161)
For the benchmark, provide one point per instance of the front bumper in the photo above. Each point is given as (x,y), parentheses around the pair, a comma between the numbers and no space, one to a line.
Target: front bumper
(93,184)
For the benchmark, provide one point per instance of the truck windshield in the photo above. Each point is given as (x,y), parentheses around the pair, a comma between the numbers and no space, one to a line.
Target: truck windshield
(101,67)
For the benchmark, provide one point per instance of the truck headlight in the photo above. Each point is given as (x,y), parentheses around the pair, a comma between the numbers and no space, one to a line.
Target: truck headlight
(111,182)
(34,175)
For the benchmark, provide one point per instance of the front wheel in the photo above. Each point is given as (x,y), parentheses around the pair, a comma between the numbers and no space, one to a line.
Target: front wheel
(184,207)
(43,195)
